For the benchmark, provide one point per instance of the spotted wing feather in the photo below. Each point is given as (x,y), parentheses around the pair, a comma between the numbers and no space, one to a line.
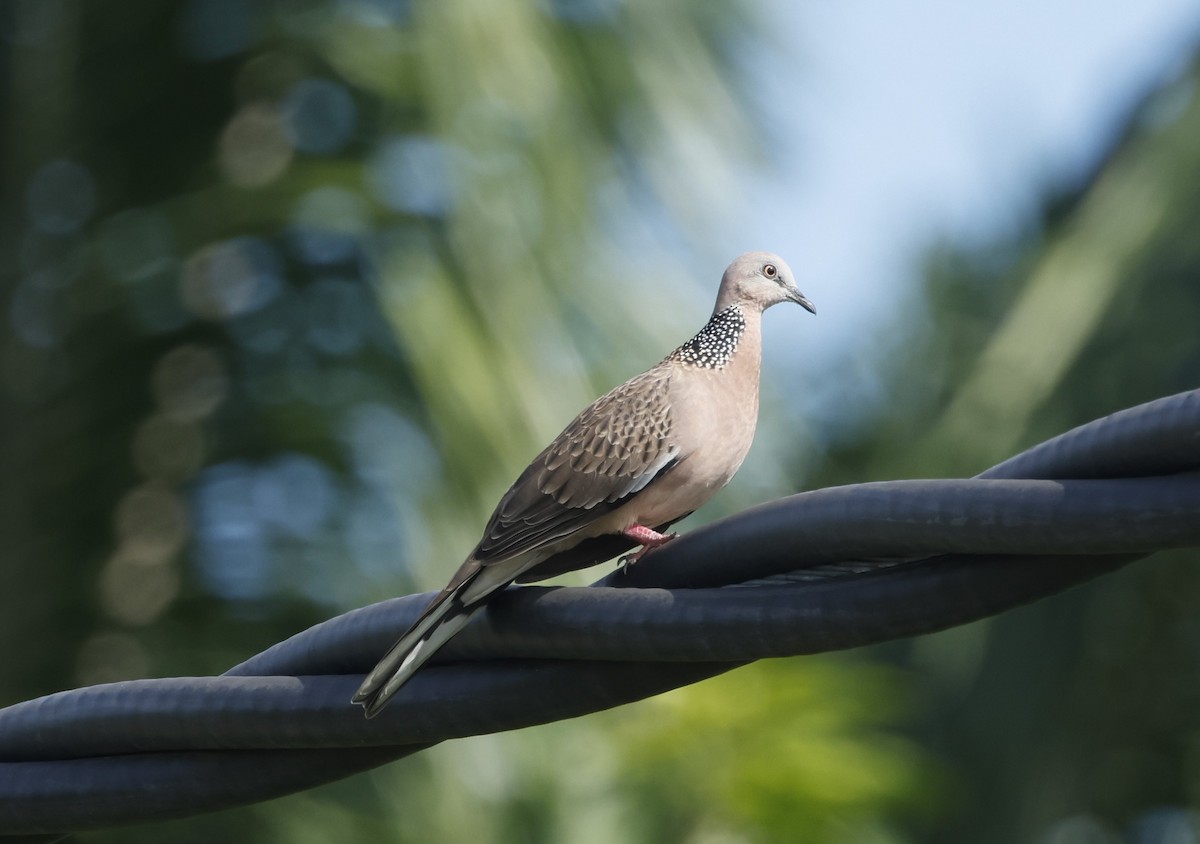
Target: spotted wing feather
(608,453)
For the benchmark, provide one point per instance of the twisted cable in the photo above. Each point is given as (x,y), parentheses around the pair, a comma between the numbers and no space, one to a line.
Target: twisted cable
(818,571)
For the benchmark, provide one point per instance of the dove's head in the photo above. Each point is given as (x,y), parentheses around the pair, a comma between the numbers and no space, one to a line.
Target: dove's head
(759,280)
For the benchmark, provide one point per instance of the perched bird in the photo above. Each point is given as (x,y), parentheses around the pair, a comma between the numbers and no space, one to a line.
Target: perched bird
(634,462)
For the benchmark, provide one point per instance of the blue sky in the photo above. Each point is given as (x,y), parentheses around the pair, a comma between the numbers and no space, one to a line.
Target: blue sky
(897,123)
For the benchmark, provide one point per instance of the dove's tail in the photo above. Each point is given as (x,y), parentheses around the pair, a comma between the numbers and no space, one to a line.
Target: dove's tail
(446,614)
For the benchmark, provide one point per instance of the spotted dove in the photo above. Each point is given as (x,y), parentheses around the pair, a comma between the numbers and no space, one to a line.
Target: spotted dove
(631,464)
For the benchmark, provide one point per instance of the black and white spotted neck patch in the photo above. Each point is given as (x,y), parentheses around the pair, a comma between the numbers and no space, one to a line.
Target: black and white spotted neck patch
(714,346)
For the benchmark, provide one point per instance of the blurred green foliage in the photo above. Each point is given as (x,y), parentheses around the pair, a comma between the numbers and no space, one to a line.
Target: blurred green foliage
(293,290)
(800,750)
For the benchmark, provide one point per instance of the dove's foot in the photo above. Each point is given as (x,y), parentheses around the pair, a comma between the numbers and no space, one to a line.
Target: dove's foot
(648,539)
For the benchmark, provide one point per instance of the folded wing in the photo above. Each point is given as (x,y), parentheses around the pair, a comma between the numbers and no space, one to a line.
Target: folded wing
(605,456)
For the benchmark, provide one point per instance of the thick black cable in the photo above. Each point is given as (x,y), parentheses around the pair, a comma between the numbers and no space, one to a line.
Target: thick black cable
(1160,437)
(90,793)
(208,743)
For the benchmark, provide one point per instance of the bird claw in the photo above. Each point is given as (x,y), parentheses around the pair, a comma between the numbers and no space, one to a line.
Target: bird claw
(633,557)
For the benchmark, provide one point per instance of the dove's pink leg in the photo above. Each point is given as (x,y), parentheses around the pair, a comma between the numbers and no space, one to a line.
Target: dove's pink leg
(647,538)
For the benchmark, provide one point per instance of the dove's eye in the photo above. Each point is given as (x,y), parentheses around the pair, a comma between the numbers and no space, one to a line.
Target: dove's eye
(770,271)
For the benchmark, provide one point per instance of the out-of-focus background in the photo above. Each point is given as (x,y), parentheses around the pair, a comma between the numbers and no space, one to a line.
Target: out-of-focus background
(292,290)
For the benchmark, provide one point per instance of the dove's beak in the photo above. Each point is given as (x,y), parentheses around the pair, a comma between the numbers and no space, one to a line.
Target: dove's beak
(801,300)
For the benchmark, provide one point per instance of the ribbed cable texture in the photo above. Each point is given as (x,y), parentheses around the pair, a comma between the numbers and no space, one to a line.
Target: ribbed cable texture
(818,571)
